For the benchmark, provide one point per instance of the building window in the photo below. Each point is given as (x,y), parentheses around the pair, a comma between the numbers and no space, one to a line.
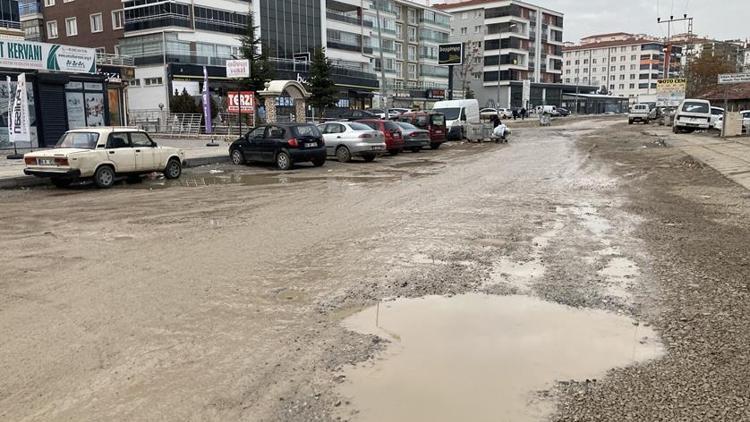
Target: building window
(412,16)
(612,77)
(153,81)
(613,59)
(412,71)
(399,69)
(463,31)
(100,50)
(612,86)
(622,67)
(613,68)
(632,67)
(593,61)
(632,86)
(134,82)
(399,50)
(399,29)
(97,25)
(412,34)
(412,53)
(52,29)
(117,18)
(71,27)
(49,3)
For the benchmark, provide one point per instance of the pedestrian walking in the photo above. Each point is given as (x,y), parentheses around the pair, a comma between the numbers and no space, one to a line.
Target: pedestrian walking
(515,114)
(523,113)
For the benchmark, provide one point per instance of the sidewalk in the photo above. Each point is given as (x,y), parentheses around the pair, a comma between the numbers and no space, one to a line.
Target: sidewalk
(730,157)
(196,154)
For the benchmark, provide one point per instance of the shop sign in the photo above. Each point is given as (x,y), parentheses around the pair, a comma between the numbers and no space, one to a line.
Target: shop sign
(18,54)
(237,69)
(246,97)
(670,92)
(436,94)
(450,54)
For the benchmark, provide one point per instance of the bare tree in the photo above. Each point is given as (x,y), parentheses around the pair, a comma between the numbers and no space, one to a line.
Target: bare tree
(702,73)
(471,52)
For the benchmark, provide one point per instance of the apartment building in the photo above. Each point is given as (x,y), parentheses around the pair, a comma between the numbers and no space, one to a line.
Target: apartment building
(508,42)
(10,20)
(95,24)
(411,33)
(621,64)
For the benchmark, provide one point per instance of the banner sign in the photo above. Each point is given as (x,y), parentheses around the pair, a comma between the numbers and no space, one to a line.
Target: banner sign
(436,94)
(734,78)
(238,69)
(19,54)
(207,102)
(247,98)
(670,92)
(450,54)
(19,128)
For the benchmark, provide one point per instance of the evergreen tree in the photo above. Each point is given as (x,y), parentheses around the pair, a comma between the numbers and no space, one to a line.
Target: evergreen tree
(319,83)
(183,103)
(261,69)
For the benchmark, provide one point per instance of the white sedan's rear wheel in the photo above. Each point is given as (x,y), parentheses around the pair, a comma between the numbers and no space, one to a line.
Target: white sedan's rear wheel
(104,177)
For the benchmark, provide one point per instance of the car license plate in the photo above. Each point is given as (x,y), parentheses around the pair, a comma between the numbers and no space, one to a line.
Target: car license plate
(45,161)
(311,145)
(377,148)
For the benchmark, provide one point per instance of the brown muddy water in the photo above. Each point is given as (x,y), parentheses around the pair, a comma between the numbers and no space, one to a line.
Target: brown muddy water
(483,357)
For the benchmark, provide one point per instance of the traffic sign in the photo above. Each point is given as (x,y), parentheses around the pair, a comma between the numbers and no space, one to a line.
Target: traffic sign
(734,78)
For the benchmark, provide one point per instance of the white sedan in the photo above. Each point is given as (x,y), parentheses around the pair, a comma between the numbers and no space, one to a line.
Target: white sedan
(103,154)
(345,140)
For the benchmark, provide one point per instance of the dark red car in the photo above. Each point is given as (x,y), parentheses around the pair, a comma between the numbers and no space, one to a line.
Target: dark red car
(429,121)
(394,141)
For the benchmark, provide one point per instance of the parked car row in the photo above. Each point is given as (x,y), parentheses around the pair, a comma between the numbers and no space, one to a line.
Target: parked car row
(286,144)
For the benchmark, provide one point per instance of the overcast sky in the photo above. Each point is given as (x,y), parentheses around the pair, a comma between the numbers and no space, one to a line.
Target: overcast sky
(719,19)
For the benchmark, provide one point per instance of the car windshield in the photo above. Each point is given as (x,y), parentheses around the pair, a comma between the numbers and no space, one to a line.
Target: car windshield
(359,126)
(85,140)
(407,125)
(307,130)
(451,113)
(695,107)
(438,119)
(375,110)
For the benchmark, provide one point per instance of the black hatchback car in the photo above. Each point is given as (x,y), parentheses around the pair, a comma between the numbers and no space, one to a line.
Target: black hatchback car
(282,143)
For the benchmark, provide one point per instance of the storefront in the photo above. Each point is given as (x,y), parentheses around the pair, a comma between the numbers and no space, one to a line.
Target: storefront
(63,87)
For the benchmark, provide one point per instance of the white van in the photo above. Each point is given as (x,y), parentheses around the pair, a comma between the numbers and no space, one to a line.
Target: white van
(692,114)
(549,109)
(459,114)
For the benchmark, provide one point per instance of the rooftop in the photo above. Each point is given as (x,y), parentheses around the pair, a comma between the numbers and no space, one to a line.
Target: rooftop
(467,3)
(605,44)
(733,92)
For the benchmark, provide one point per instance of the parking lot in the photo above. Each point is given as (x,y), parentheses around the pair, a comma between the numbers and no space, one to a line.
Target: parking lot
(225,294)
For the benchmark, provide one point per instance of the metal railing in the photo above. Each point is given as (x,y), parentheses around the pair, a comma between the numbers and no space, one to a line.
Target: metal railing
(114,59)
(162,122)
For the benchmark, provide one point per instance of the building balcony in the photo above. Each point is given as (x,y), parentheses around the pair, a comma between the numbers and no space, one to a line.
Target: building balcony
(114,60)
(348,19)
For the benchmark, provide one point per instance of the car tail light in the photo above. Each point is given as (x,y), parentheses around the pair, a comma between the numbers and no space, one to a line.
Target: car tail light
(365,136)
(61,161)
(29,161)
(293,143)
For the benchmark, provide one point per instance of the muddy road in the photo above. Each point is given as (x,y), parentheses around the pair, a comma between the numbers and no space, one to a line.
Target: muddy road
(243,293)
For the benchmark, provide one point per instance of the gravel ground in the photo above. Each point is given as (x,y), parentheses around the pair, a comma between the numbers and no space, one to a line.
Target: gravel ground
(220,296)
(695,229)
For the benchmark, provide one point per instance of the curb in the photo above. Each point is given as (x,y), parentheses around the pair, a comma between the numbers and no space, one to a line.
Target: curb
(31,181)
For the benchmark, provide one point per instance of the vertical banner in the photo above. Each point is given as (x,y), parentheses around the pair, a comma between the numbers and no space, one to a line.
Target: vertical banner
(207,102)
(20,125)
(10,107)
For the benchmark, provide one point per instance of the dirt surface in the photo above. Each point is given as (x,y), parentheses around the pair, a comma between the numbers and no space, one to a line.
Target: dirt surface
(220,296)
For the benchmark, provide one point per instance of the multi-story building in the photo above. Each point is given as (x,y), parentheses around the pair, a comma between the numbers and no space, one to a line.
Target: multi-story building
(411,33)
(626,66)
(10,20)
(32,20)
(508,42)
(86,23)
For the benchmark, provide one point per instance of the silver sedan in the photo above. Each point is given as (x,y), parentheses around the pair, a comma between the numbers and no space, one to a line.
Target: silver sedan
(351,139)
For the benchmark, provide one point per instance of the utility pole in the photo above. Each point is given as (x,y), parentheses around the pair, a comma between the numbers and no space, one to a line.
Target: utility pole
(668,47)
(383,98)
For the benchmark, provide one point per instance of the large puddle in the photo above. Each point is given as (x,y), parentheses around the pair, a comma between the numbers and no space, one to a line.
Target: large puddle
(477,357)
